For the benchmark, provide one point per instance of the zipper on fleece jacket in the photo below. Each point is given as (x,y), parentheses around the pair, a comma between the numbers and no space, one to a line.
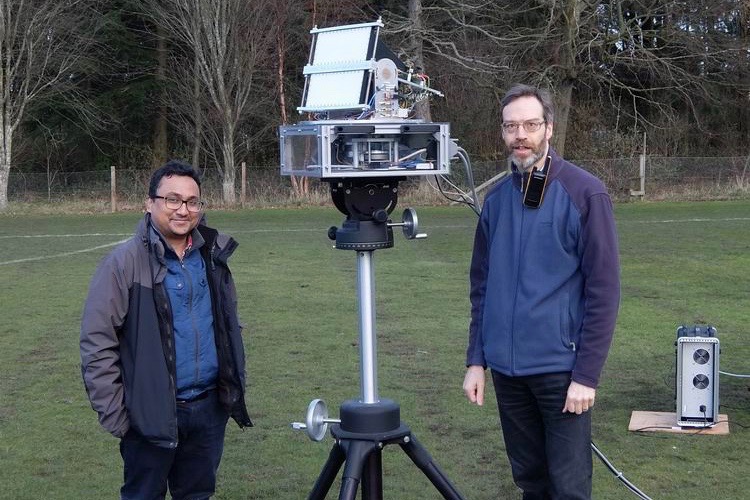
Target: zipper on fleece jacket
(516,282)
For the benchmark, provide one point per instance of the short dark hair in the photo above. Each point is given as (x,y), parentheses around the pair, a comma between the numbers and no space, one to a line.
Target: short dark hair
(172,167)
(542,95)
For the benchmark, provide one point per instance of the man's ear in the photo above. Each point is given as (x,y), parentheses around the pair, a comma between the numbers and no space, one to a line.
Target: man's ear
(548,132)
(148,204)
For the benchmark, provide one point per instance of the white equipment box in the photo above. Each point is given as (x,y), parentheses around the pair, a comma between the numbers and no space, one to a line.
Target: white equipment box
(697,381)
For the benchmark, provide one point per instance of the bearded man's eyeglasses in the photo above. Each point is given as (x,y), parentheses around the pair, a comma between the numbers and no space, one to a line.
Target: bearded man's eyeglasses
(530,126)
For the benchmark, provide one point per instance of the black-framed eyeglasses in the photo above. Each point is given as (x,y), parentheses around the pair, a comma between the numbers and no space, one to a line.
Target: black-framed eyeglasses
(176,203)
(530,126)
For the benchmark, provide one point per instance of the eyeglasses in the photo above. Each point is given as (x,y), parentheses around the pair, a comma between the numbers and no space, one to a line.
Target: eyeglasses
(512,127)
(176,203)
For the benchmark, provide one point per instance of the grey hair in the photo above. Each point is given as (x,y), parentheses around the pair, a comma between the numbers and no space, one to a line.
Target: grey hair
(542,95)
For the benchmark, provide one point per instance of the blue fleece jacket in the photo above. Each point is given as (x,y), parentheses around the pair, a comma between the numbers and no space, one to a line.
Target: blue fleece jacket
(545,287)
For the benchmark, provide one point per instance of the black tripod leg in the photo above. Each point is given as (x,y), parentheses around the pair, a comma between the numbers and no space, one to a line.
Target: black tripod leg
(422,459)
(357,454)
(328,474)
(372,477)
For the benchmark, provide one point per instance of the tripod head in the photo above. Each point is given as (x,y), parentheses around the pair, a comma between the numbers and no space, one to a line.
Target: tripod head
(367,204)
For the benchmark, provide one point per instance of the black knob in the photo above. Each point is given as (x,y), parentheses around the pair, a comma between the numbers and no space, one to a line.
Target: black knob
(332,233)
(380,215)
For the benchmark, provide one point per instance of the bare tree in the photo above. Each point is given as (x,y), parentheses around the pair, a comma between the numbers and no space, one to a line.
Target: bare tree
(228,43)
(41,43)
(290,24)
(659,60)
(286,17)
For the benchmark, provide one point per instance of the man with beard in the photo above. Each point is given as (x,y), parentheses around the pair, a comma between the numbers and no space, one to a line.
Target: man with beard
(544,293)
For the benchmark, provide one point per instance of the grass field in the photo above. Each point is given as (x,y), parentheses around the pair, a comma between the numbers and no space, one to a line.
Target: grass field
(681,264)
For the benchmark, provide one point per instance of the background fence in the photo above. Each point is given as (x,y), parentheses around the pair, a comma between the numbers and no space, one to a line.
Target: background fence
(664,178)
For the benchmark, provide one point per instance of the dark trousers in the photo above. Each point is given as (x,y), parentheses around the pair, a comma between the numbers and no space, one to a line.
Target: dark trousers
(549,451)
(190,469)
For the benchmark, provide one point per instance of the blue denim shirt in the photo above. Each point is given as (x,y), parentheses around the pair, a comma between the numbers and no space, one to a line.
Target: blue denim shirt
(195,349)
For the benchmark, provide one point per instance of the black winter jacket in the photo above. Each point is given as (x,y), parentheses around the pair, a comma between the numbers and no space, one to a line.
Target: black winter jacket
(127,342)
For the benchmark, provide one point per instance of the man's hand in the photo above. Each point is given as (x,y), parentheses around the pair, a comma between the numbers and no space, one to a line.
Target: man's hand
(474,384)
(580,398)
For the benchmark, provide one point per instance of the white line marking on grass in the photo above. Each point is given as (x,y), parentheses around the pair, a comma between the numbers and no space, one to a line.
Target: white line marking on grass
(65,254)
(5,237)
(670,221)
(323,230)
(257,231)
(316,230)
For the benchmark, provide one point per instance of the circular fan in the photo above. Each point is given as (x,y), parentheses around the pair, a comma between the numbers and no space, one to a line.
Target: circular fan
(701,356)
(700,381)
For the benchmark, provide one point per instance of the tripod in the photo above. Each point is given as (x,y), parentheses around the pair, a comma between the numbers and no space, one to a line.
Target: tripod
(369,424)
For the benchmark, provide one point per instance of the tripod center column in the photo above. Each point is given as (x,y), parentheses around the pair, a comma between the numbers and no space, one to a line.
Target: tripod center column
(367,335)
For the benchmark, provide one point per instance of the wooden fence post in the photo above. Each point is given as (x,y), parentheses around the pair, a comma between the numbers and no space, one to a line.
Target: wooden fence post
(113,188)
(641,173)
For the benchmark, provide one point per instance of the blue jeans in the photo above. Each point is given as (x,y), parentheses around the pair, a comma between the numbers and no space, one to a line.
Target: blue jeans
(190,469)
(549,451)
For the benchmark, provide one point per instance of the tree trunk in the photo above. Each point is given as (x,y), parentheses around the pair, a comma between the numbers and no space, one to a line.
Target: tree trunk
(5,149)
(160,148)
(227,187)
(568,72)
(744,111)
(197,116)
(416,45)
(563,100)
(227,172)
(280,61)
(281,51)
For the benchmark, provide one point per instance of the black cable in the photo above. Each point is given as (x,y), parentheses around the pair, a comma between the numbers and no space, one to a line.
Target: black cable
(649,427)
(447,196)
(698,430)
(618,474)
(735,423)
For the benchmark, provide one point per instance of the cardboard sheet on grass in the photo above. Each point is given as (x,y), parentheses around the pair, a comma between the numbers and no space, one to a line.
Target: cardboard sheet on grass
(660,421)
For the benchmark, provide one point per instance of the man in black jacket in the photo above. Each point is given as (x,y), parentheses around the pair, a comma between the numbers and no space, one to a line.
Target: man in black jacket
(161,346)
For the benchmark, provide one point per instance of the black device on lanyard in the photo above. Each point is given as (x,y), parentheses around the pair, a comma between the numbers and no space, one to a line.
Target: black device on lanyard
(535,183)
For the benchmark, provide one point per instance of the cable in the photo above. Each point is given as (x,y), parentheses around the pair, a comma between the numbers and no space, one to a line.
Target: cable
(471,201)
(734,374)
(619,474)
(650,427)
(744,426)
(470,178)
(463,198)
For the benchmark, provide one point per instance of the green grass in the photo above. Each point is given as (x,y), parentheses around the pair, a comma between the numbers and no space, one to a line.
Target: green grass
(682,263)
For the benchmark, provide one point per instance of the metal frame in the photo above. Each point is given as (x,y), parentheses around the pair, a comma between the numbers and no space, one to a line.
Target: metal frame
(323,134)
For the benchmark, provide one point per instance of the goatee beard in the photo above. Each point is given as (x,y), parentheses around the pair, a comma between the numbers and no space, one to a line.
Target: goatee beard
(528,162)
